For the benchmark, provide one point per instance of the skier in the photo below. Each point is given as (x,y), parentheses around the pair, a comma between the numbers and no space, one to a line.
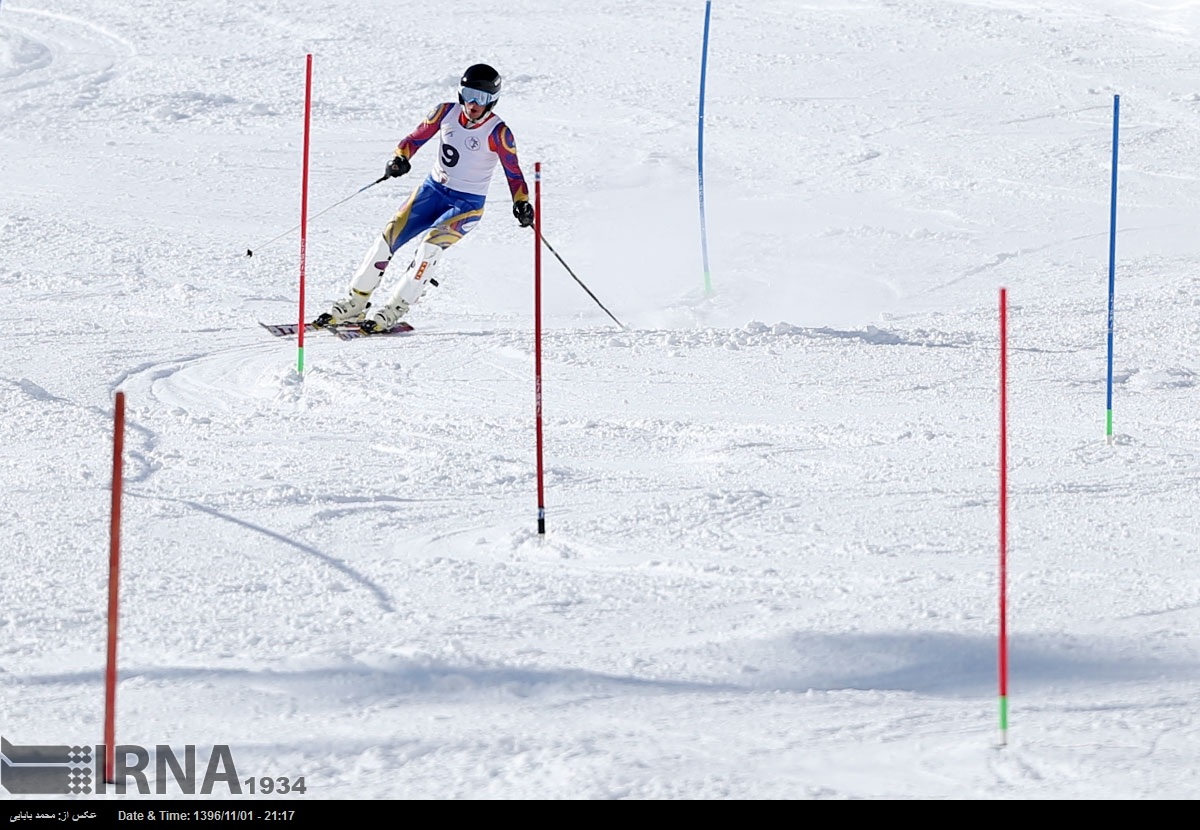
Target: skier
(446,206)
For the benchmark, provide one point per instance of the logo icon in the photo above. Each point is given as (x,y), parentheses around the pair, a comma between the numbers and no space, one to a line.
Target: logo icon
(45,770)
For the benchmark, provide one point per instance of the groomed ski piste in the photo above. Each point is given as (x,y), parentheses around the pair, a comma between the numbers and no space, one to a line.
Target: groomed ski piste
(770,566)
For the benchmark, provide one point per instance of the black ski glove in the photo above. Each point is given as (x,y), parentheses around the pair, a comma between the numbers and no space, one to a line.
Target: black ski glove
(398,166)
(524,213)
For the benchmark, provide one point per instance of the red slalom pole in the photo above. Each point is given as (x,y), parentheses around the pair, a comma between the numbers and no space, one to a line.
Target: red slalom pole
(537,337)
(304,211)
(1003,516)
(114,559)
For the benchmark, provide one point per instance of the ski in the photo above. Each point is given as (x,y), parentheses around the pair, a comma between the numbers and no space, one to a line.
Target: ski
(351,331)
(344,331)
(285,329)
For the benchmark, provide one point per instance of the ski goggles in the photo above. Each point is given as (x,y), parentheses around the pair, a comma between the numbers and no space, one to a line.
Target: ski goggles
(476,96)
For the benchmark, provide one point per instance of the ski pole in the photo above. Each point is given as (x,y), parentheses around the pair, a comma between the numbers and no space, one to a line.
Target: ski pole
(250,251)
(550,248)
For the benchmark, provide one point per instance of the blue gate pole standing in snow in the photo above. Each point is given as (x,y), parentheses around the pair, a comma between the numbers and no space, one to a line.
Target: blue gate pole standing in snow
(700,149)
(1112,256)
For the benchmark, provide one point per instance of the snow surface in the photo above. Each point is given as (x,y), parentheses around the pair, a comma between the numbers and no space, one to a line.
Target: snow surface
(771,560)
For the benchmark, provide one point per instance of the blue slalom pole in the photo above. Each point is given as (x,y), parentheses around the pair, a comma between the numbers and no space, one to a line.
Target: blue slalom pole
(700,148)
(1112,259)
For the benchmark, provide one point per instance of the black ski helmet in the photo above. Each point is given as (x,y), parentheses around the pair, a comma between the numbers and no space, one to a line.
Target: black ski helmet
(482,78)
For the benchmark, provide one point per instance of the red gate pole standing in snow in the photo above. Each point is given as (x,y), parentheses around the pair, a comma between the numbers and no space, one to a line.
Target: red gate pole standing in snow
(537,336)
(114,558)
(1003,516)
(304,211)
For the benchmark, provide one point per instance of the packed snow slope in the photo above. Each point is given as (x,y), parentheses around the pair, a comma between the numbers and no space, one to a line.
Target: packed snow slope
(771,565)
